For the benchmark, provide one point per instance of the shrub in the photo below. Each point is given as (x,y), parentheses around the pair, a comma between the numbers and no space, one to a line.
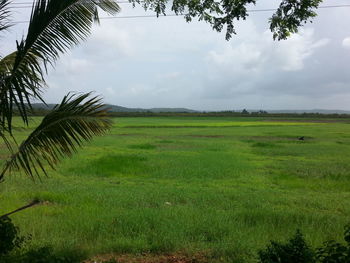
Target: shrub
(10,240)
(334,252)
(9,236)
(47,255)
(295,250)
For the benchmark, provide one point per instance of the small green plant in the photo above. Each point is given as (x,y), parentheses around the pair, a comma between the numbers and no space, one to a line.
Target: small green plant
(295,250)
(334,252)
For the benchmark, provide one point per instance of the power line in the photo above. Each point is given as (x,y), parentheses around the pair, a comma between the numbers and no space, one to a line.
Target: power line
(172,15)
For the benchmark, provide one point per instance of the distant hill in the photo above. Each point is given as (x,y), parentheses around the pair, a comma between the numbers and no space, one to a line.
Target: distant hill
(116,108)
(311,111)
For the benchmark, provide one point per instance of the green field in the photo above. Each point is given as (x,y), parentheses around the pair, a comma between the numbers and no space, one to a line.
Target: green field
(219,186)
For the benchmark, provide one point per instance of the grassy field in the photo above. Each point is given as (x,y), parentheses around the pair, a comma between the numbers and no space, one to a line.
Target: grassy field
(220,186)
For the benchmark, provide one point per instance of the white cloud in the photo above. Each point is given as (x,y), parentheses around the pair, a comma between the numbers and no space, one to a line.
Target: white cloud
(110,91)
(292,53)
(169,75)
(346,42)
(258,65)
(262,53)
(78,66)
(111,40)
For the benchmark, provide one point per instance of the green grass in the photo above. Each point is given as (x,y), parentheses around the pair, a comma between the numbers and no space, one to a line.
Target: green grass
(225,186)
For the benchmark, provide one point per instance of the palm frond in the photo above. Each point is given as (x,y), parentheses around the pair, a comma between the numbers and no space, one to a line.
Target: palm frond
(4,15)
(55,26)
(19,86)
(76,119)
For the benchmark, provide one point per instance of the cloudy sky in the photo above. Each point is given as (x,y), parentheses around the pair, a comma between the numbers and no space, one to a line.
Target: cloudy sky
(166,62)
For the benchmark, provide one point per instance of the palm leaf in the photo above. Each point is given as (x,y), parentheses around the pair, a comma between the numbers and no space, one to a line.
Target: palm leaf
(55,26)
(76,119)
(4,15)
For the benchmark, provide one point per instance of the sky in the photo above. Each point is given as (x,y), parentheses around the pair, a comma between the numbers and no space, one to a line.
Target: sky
(166,62)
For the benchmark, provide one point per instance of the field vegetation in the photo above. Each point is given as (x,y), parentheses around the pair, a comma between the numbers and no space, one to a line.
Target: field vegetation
(219,186)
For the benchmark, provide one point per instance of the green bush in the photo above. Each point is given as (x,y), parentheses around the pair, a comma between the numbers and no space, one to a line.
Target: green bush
(47,255)
(295,250)
(11,250)
(42,255)
(334,252)
(9,236)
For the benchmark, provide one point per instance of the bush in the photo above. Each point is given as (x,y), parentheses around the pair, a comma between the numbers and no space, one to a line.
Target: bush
(334,252)
(47,255)
(42,255)
(10,240)
(9,236)
(295,250)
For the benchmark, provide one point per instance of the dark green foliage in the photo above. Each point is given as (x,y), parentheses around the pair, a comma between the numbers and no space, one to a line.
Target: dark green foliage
(66,127)
(290,15)
(9,236)
(219,14)
(11,250)
(42,255)
(295,250)
(4,14)
(244,111)
(47,255)
(334,252)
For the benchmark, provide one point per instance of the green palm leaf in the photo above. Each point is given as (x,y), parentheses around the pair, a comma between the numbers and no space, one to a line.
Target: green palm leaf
(4,15)
(77,119)
(55,26)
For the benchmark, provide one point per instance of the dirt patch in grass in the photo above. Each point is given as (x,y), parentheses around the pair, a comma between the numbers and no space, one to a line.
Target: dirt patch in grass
(149,258)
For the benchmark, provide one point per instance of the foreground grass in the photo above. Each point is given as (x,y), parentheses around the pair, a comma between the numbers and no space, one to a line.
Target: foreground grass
(225,186)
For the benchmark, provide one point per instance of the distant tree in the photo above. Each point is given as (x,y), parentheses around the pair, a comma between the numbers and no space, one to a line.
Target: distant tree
(244,111)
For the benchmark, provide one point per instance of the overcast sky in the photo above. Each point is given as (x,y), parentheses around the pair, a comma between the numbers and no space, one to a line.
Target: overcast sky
(166,62)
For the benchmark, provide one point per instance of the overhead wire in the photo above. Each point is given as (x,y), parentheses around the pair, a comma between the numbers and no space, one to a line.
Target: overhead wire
(172,15)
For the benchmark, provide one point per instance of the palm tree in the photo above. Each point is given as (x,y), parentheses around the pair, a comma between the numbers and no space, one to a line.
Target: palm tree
(55,26)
